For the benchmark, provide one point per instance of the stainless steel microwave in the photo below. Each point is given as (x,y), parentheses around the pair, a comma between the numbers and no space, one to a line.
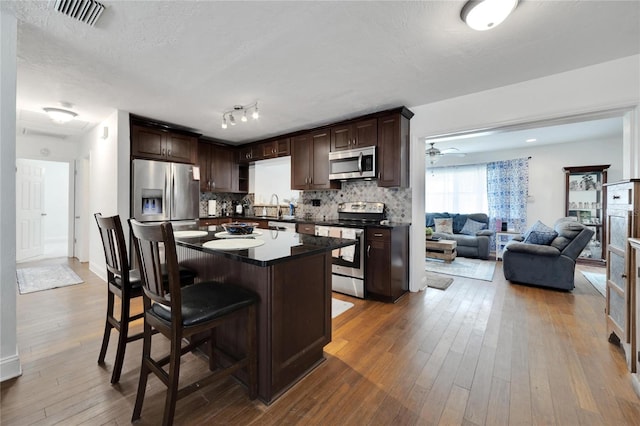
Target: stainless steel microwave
(357,163)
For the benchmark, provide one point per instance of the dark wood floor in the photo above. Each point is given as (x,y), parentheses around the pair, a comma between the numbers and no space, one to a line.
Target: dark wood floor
(479,353)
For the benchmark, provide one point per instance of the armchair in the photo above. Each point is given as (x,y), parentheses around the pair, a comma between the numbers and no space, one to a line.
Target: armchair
(550,265)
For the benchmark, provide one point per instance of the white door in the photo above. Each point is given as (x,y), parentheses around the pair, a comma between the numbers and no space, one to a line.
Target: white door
(29,210)
(81,208)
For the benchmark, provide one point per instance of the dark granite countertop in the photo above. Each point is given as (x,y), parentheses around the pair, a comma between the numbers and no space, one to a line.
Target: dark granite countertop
(279,246)
(329,222)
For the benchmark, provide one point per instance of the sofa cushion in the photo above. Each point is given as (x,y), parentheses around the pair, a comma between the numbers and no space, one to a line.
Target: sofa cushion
(567,230)
(471,227)
(444,226)
(540,234)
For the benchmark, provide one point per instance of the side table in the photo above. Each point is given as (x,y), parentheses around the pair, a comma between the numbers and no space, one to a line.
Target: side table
(502,238)
(441,249)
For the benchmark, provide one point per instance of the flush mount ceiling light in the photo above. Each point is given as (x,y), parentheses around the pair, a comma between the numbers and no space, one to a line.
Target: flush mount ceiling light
(60,115)
(484,15)
(241,111)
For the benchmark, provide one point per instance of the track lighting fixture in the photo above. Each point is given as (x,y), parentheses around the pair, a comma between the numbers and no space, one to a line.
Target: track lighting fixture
(240,109)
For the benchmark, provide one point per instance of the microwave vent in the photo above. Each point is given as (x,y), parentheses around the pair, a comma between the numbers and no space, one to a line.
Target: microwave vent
(87,11)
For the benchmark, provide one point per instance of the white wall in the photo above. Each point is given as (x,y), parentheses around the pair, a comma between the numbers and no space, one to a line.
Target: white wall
(108,171)
(272,176)
(9,357)
(610,85)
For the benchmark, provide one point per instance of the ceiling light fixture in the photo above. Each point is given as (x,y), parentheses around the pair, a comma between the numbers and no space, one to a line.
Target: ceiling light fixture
(531,140)
(483,15)
(60,115)
(240,109)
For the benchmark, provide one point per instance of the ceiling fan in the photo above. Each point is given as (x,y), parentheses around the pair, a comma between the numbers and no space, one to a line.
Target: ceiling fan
(434,154)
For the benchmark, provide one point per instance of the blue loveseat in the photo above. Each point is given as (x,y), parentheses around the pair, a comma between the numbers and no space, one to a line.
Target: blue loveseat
(476,246)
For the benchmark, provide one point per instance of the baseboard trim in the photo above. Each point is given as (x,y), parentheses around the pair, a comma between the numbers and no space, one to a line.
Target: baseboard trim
(10,367)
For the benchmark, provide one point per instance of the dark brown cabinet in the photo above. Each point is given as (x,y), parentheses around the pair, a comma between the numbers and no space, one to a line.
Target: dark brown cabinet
(387,263)
(393,150)
(310,161)
(276,148)
(354,135)
(219,170)
(160,144)
(306,228)
(250,153)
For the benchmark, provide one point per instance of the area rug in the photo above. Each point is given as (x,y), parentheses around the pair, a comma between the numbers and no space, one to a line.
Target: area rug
(45,278)
(438,281)
(462,267)
(599,281)
(339,307)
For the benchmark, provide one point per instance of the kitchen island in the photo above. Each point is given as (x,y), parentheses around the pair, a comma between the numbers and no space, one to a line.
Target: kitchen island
(291,273)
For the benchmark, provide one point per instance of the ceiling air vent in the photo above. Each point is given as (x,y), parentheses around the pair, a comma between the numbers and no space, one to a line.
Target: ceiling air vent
(87,11)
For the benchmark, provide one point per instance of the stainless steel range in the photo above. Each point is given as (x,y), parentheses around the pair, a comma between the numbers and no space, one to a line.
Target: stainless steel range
(349,262)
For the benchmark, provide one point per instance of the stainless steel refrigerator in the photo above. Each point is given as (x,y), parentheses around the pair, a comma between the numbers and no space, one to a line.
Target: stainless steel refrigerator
(164,191)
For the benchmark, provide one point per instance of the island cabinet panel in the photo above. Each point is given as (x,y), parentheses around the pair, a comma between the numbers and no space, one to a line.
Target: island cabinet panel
(159,144)
(301,317)
(294,314)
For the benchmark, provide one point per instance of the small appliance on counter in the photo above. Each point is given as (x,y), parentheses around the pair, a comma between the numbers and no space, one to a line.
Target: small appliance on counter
(212,208)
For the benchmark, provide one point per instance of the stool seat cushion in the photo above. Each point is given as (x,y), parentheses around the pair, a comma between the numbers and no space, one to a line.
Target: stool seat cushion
(207,301)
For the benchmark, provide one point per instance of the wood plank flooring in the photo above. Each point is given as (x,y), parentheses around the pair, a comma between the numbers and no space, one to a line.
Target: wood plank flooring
(478,353)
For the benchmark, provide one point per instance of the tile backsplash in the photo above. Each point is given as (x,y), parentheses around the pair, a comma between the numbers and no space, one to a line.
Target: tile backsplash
(397,201)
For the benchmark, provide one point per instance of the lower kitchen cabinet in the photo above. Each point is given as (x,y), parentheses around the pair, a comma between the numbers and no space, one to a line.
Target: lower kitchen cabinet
(387,263)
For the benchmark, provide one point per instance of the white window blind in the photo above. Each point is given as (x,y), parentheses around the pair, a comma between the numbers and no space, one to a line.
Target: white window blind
(459,189)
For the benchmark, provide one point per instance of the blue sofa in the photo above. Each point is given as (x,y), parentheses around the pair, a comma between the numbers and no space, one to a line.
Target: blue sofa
(475,246)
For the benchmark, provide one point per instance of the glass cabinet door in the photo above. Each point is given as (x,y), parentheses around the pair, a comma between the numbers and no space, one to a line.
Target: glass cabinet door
(586,201)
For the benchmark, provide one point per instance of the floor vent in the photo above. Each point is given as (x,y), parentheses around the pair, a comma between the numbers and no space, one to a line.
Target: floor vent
(87,11)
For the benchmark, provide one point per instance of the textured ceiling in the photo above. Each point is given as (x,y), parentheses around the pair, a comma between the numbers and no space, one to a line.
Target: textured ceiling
(307,63)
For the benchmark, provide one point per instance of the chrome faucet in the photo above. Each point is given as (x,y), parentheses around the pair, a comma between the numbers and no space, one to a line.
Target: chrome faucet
(277,204)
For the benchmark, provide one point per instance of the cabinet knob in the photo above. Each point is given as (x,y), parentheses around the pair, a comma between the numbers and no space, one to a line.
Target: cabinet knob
(377,235)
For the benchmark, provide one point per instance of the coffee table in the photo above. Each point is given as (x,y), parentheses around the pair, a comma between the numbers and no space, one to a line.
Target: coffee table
(441,249)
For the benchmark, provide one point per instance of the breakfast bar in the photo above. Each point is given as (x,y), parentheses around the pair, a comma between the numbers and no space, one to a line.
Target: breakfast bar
(292,275)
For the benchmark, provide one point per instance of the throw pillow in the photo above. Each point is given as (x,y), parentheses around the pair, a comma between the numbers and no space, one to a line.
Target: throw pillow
(540,234)
(472,227)
(444,226)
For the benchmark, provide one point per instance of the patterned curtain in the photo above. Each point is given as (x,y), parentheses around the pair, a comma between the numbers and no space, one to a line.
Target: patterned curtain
(507,192)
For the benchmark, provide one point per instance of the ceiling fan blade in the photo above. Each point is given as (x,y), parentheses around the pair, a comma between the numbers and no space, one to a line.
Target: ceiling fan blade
(449,150)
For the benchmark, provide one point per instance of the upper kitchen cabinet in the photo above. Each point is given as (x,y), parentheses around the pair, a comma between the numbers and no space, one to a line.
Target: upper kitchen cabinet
(393,149)
(310,161)
(162,144)
(276,148)
(354,135)
(219,170)
(250,153)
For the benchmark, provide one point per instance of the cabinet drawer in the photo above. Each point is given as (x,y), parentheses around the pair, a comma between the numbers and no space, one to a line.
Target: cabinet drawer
(379,234)
(620,196)
(306,228)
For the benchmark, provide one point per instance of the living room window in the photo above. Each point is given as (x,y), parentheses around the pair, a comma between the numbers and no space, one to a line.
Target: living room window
(458,189)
